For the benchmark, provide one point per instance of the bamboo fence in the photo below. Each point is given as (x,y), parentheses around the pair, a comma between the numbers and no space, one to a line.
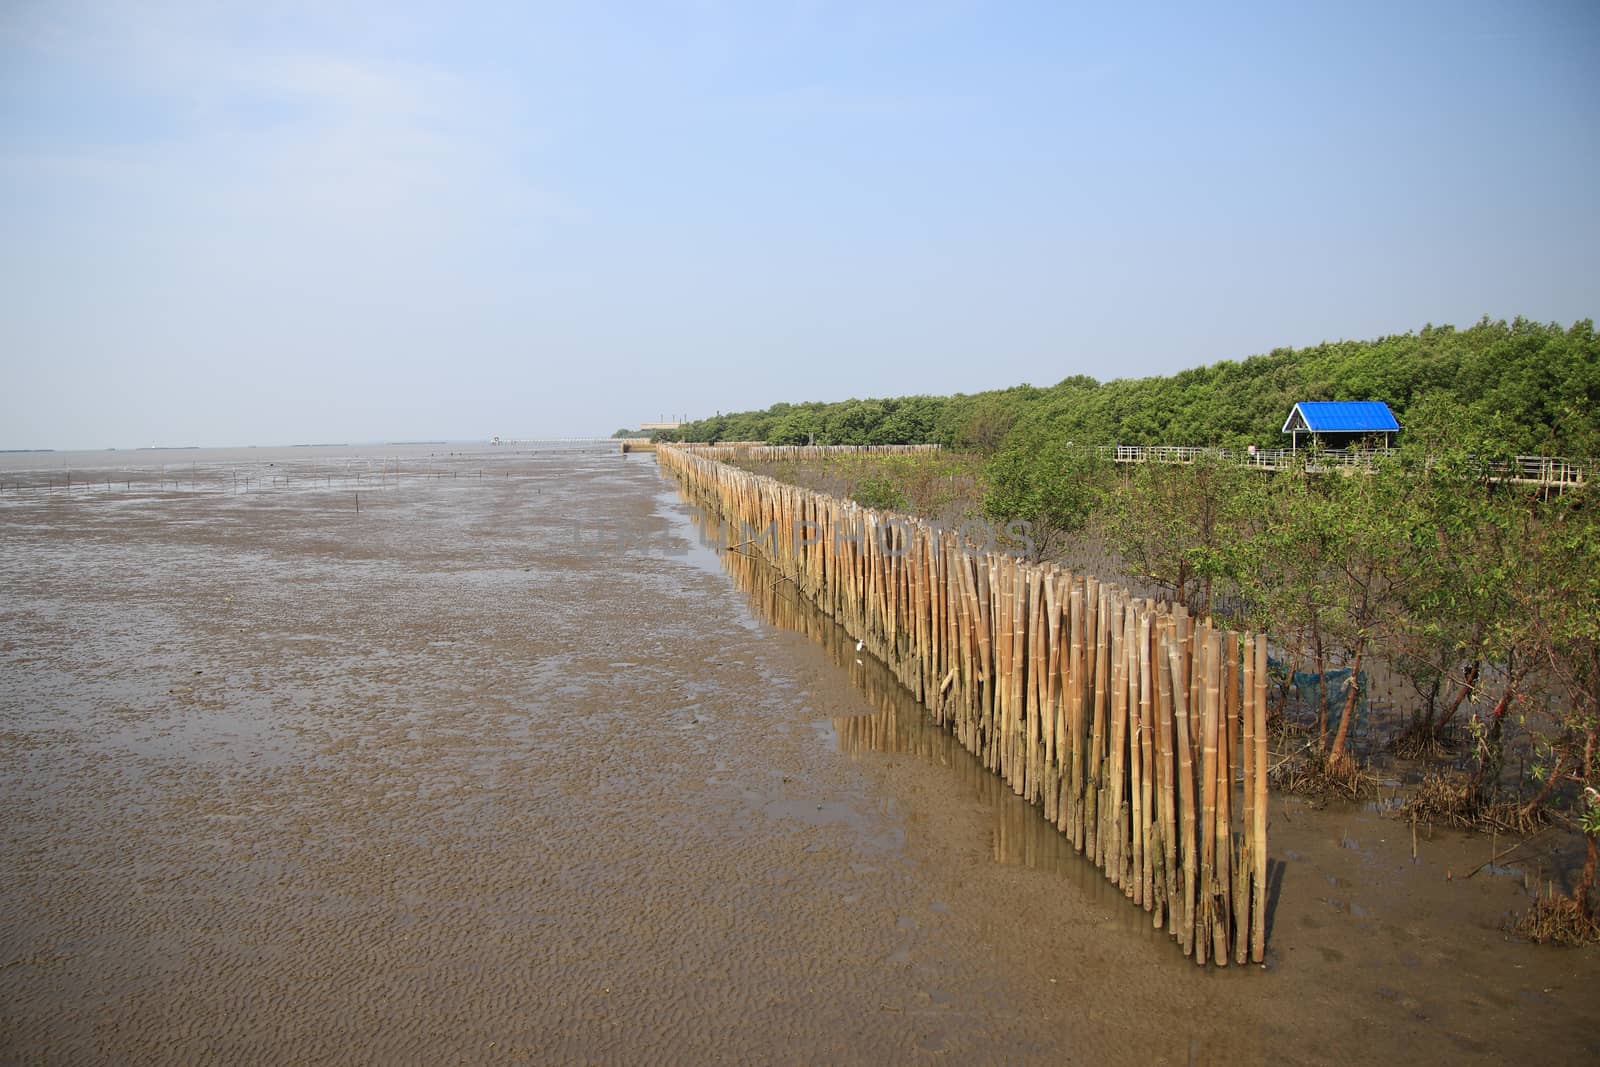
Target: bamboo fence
(899,724)
(757,450)
(1138,730)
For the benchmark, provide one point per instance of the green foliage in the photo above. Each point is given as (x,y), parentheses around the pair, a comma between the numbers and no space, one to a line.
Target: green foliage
(1464,536)
(879,492)
(1053,484)
(989,420)
(1558,603)
(801,425)
(1183,528)
(1537,386)
(853,422)
(1430,559)
(909,421)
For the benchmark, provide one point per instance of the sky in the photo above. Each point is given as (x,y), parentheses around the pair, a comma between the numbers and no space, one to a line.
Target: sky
(275,222)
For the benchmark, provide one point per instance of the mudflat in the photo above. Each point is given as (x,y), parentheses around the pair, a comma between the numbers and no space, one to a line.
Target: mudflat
(509,764)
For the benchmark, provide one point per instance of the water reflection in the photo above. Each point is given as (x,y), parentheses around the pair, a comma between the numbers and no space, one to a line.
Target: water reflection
(898,724)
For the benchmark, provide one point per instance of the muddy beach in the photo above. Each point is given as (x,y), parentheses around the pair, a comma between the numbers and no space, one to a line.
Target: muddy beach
(509,764)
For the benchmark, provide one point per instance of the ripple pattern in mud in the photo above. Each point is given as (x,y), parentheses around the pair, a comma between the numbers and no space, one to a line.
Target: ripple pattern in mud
(448,782)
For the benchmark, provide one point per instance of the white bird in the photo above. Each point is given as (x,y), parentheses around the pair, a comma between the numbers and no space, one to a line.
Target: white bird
(859,644)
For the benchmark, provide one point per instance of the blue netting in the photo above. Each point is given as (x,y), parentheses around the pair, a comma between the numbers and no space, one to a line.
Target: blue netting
(1303,691)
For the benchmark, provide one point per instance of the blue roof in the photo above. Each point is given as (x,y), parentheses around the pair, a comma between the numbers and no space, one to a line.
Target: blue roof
(1344,416)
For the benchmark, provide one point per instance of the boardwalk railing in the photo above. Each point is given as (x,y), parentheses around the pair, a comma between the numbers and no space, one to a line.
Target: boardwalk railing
(1131,724)
(1548,471)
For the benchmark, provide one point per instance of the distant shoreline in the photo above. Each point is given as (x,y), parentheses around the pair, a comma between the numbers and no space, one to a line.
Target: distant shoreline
(430,442)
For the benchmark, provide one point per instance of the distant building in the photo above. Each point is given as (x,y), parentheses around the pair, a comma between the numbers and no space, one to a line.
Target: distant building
(1342,423)
(646,426)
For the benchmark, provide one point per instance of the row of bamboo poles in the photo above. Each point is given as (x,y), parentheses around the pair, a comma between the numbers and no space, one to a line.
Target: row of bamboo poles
(1138,730)
(758,450)
(898,723)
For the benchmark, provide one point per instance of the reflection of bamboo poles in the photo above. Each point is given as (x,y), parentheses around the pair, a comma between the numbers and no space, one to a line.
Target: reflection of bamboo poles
(1126,722)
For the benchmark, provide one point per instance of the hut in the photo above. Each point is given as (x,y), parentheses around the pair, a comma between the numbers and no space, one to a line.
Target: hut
(1342,423)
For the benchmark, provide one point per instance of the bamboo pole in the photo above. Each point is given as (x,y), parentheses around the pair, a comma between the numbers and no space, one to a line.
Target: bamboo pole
(1185,809)
(1111,800)
(1033,728)
(1134,889)
(1233,922)
(1166,770)
(1247,750)
(1075,685)
(1019,643)
(1216,884)
(1258,846)
(1100,651)
(1208,798)
(1051,712)
(1128,746)
(1144,839)
(1000,595)
(1063,583)
(986,674)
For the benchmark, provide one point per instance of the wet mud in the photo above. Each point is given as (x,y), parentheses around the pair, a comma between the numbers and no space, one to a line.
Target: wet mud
(511,765)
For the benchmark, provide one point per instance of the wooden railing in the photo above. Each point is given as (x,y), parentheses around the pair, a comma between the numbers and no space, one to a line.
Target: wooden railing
(1547,471)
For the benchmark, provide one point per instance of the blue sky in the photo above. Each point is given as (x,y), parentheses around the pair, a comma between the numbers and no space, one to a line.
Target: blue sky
(276,222)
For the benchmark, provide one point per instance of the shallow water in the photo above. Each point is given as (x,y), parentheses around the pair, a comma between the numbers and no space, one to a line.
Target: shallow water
(513,766)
